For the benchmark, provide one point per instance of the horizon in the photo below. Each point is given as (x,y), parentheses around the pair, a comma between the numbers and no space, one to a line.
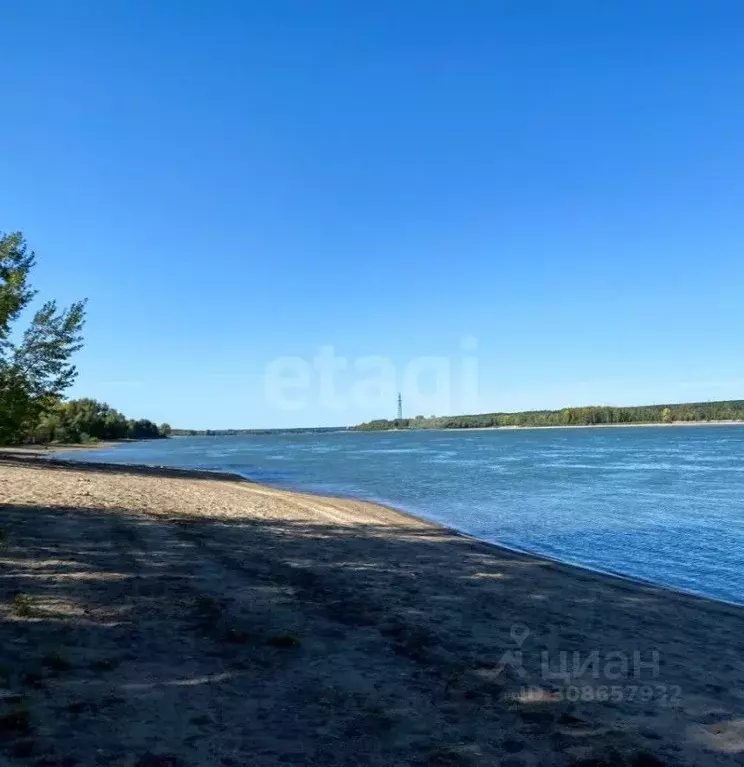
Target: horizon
(282,214)
(467,415)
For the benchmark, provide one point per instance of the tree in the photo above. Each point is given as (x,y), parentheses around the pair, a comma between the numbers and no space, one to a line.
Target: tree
(83,420)
(165,429)
(35,367)
(666,415)
(142,429)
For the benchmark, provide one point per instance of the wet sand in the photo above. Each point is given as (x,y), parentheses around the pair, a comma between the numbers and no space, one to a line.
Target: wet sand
(157,617)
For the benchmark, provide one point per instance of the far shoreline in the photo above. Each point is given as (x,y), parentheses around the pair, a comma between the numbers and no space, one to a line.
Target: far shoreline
(562,426)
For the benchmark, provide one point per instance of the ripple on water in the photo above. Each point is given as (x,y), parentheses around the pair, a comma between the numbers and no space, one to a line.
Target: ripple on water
(660,504)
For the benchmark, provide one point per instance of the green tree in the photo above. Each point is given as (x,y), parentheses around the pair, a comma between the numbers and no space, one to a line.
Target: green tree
(165,429)
(35,367)
(666,415)
(142,429)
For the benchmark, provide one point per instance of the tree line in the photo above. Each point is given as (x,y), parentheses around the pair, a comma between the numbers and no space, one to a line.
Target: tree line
(731,410)
(36,365)
(87,420)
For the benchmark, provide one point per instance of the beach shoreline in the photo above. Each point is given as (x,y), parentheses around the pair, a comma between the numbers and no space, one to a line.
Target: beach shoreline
(380,621)
(391,507)
(49,449)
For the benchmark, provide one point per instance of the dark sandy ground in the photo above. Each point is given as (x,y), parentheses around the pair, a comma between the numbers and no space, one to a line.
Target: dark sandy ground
(155,618)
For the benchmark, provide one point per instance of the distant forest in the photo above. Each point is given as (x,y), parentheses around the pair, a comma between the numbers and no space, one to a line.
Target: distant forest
(701,412)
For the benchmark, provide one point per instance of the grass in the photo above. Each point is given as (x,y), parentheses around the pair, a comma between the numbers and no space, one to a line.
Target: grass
(236,636)
(22,605)
(79,706)
(105,664)
(16,722)
(23,748)
(452,680)
(56,661)
(32,679)
(284,640)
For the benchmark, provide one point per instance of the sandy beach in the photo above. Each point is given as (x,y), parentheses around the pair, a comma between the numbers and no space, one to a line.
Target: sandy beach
(157,617)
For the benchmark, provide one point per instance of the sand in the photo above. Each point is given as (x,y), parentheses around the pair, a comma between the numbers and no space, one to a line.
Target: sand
(162,618)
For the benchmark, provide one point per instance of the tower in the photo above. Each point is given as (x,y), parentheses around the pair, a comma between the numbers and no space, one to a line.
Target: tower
(400,407)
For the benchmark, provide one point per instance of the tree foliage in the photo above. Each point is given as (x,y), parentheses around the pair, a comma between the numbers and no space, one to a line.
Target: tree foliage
(35,364)
(86,420)
(576,416)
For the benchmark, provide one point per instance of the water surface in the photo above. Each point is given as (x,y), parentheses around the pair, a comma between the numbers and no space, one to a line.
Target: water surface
(662,504)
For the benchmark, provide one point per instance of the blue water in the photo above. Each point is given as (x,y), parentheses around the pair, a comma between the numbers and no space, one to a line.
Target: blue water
(662,504)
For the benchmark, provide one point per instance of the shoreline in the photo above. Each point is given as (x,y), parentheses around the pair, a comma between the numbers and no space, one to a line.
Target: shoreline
(49,449)
(560,426)
(229,476)
(321,617)
(602,426)
(391,507)
(152,470)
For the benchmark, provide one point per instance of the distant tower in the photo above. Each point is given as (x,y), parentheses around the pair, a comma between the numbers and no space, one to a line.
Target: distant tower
(400,407)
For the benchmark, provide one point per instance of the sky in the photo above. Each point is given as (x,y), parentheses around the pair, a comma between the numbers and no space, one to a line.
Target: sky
(283,213)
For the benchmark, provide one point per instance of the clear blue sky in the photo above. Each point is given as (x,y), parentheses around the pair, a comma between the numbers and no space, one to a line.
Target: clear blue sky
(231,182)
